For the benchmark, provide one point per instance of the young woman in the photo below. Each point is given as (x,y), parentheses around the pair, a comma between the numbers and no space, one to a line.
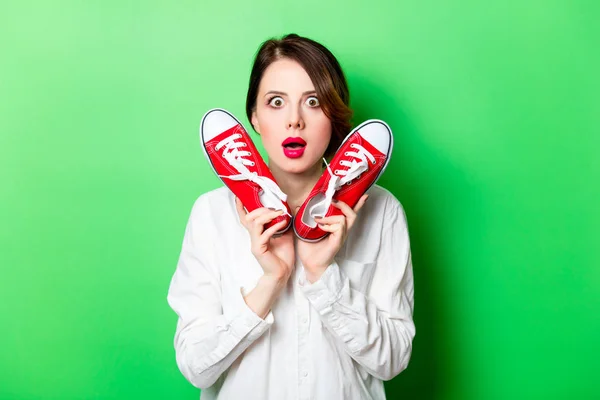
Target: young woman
(265,316)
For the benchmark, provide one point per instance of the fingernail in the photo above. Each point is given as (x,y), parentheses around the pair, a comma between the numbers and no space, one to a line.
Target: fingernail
(272,209)
(335,200)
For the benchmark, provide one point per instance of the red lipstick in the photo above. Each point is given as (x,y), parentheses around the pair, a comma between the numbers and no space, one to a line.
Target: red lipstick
(293,147)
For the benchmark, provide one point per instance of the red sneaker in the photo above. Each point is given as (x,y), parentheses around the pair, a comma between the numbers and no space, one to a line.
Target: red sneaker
(235,159)
(357,164)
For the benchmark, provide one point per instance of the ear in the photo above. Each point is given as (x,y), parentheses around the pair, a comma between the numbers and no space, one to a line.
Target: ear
(255,122)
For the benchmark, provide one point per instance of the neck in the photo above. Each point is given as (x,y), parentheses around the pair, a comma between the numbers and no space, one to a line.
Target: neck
(296,186)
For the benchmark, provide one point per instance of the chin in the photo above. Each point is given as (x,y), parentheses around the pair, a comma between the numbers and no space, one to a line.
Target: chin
(297,169)
(292,166)
(302,167)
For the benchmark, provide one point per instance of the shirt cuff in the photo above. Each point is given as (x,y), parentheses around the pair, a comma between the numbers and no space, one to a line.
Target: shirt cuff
(247,323)
(327,290)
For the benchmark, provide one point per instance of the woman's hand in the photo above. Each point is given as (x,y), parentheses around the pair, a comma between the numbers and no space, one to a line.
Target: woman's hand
(275,255)
(316,257)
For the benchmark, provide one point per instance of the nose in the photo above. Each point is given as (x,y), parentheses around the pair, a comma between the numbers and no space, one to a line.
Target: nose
(295,120)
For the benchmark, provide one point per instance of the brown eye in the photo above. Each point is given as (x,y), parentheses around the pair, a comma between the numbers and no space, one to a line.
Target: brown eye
(276,102)
(312,101)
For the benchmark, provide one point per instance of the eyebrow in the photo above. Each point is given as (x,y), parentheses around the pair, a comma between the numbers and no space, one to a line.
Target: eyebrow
(285,94)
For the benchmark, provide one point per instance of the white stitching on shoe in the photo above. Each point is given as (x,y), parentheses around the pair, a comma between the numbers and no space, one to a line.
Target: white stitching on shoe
(342,177)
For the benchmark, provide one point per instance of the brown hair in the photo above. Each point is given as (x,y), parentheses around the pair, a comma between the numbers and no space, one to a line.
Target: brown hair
(323,69)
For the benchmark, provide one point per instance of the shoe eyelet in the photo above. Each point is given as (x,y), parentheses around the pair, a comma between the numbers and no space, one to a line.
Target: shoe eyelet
(252,165)
(346,153)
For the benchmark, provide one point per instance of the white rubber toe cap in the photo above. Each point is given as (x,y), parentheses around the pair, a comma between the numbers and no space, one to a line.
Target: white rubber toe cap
(215,122)
(378,133)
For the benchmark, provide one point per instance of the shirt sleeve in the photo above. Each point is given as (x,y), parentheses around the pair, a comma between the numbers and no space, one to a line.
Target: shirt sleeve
(207,340)
(375,328)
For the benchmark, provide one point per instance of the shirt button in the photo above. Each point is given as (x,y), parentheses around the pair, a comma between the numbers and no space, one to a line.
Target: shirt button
(305,374)
(304,320)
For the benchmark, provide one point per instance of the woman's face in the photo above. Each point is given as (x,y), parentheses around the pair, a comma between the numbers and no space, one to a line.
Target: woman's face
(287,109)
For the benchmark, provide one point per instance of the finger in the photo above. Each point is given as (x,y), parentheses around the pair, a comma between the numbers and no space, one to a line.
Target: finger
(357,207)
(350,213)
(267,217)
(258,244)
(266,235)
(257,227)
(361,203)
(251,216)
(240,210)
(333,219)
(346,209)
(331,228)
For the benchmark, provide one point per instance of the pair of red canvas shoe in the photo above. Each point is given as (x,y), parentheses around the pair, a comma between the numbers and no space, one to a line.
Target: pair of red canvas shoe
(357,164)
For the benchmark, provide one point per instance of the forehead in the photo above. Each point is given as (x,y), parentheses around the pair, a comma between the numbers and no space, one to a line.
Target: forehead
(285,75)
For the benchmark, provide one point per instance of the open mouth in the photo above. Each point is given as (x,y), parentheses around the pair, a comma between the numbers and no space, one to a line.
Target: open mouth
(293,143)
(293,147)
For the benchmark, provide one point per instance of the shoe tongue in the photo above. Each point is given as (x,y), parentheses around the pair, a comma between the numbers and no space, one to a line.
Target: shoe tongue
(270,201)
(319,204)
(319,210)
(316,207)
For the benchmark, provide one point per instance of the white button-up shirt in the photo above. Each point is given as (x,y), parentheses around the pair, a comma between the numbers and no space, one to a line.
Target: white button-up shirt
(337,338)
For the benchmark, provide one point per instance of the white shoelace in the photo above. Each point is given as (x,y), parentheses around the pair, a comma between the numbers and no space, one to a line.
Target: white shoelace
(341,177)
(235,158)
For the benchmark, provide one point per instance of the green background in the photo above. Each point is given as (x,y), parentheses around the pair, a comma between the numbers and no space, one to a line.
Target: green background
(495,112)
